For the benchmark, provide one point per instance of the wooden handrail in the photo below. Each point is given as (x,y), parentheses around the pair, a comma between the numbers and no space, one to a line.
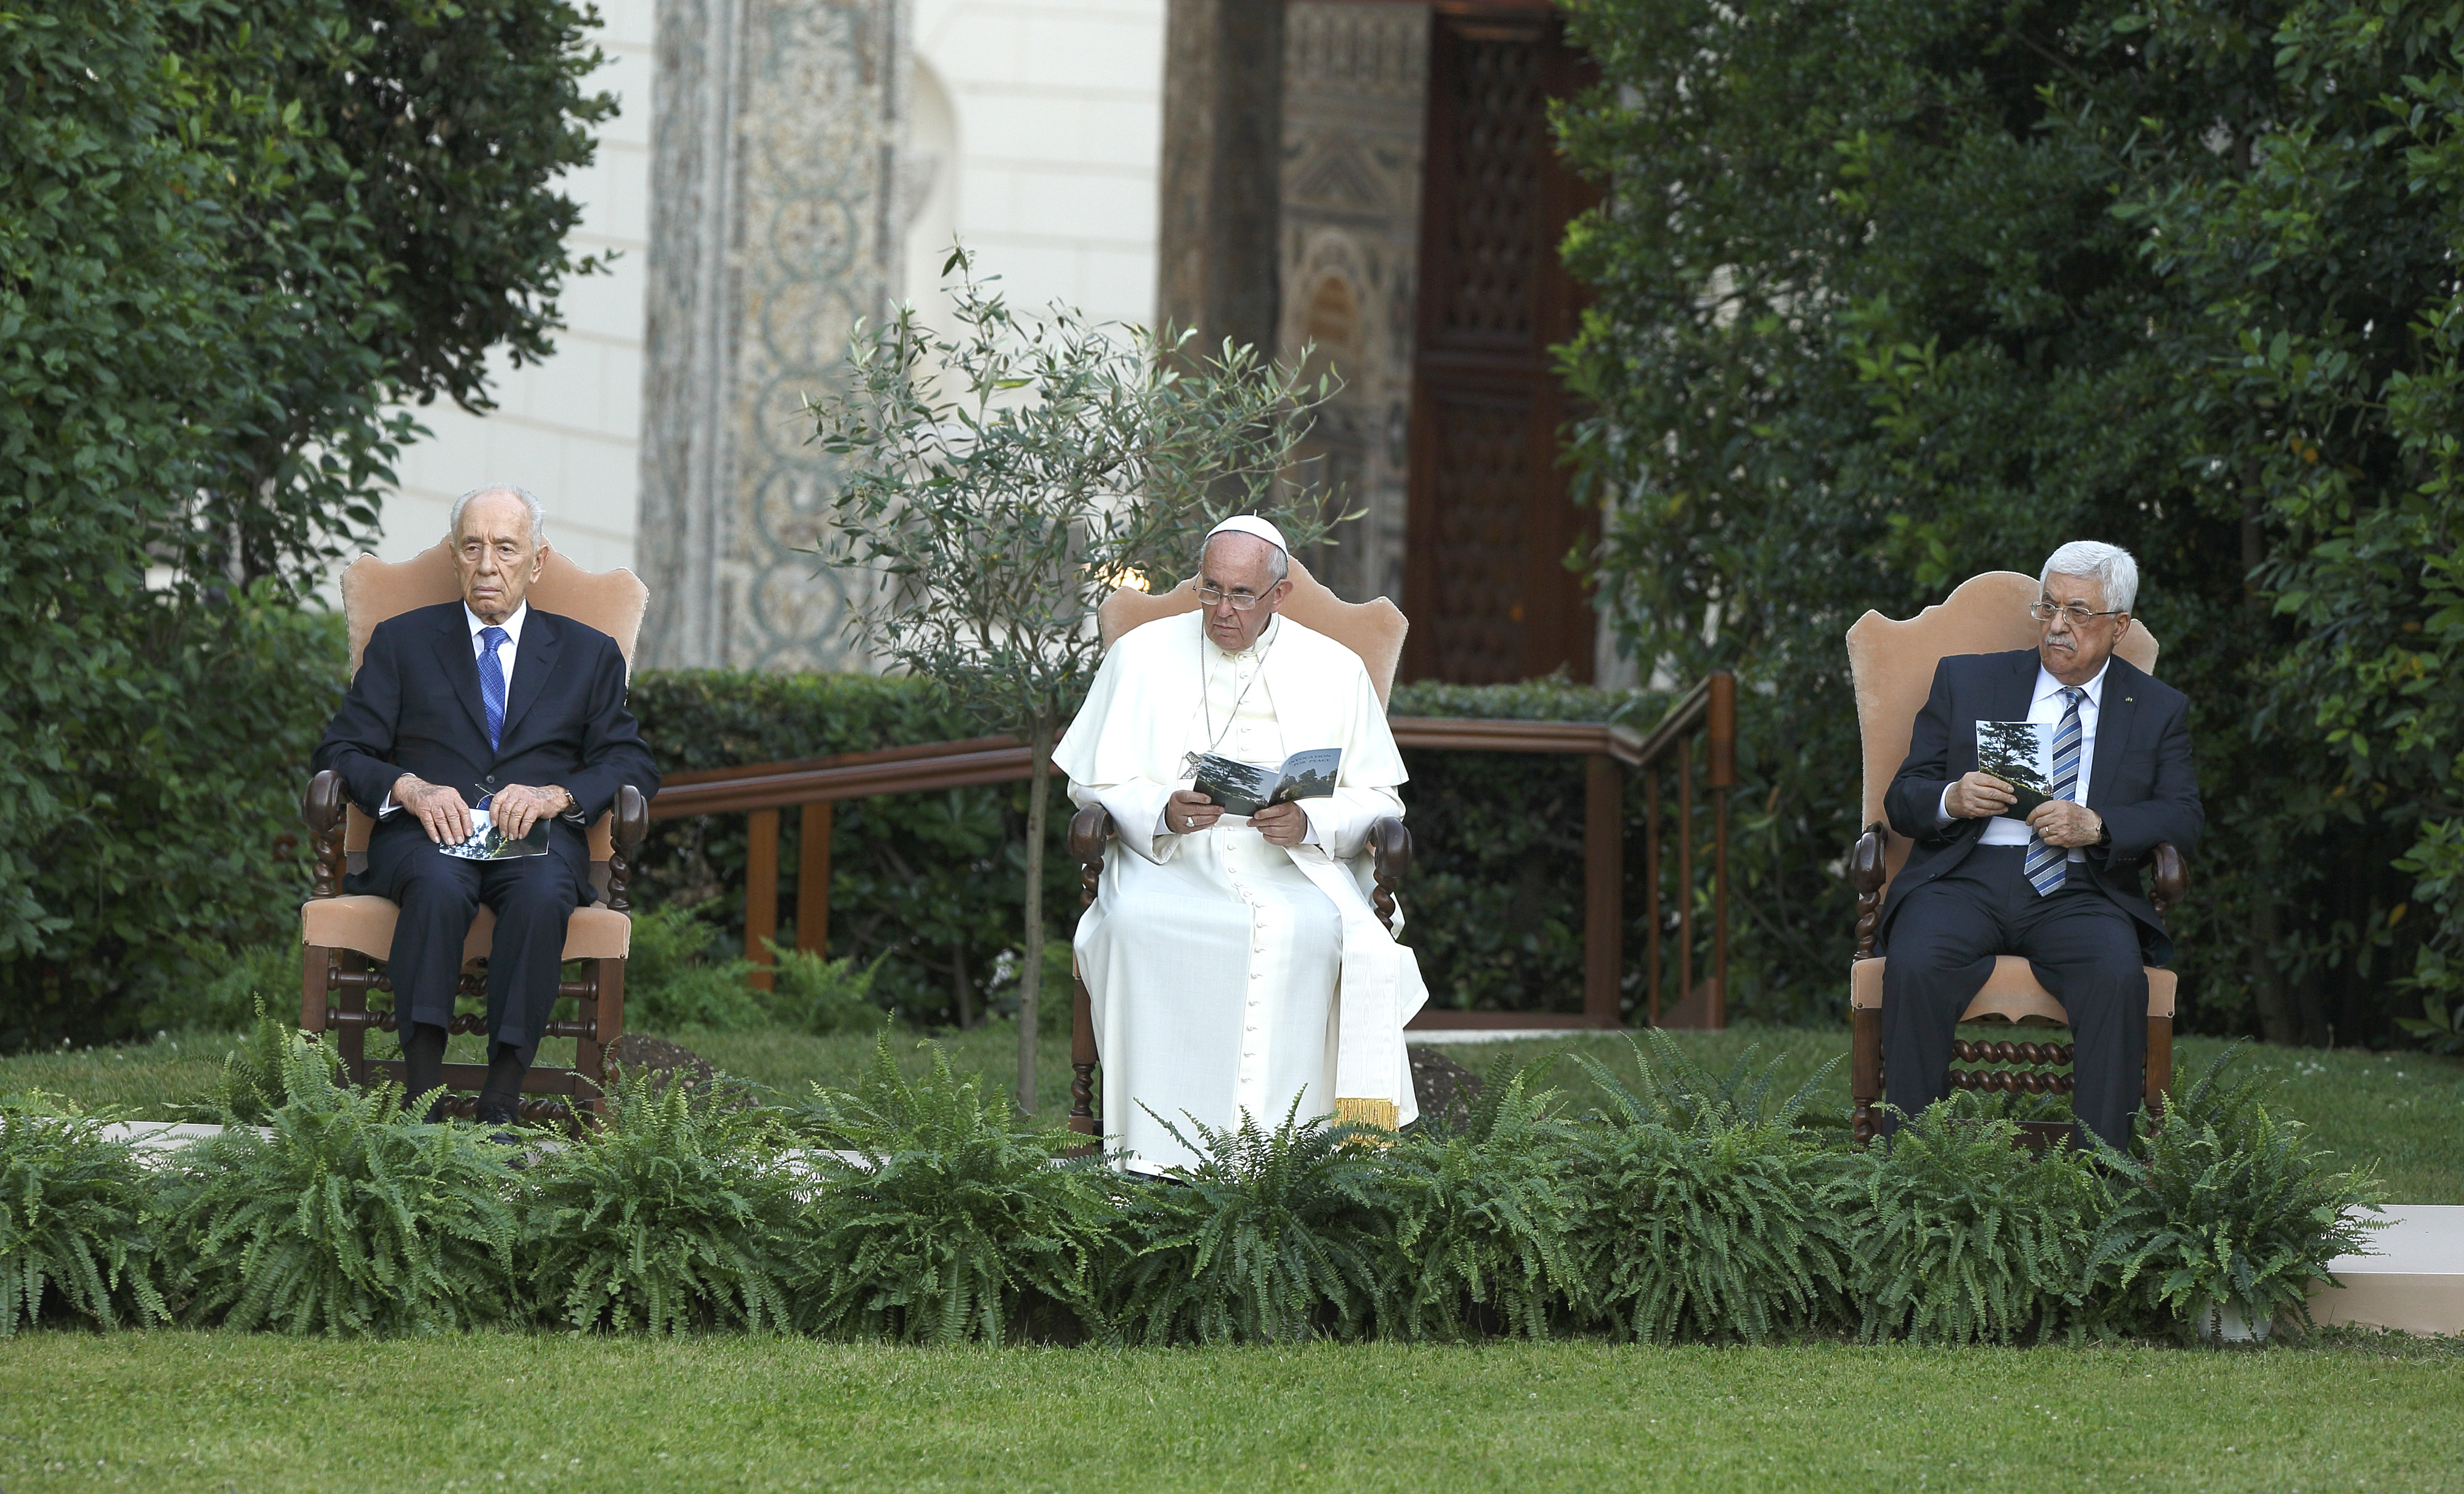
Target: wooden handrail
(763,789)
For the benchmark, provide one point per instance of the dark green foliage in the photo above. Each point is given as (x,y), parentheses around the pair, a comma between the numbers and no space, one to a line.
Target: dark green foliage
(76,1232)
(1487,1228)
(1891,292)
(1272,1237)
(345,1216)
(1964,1237)
(679,1213)
(256,980)
(1713,1215)
(251,1087)
(812,993)
(233,235)
(952,1219)
(2225,1203)
(678,974)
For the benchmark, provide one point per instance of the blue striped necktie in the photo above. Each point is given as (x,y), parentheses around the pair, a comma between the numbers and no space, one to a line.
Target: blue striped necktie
(2048,867)
(492,682)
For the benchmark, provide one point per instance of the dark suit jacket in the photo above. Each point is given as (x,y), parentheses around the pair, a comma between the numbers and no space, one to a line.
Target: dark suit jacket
(415,708)
(2142,781)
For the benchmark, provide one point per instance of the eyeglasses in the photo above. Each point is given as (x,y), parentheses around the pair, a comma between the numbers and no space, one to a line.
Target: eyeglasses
(2077,612)
(1242,600)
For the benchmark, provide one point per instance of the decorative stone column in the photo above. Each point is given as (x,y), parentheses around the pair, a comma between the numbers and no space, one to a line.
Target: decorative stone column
(773,227)
(1223,125)
(1355,105)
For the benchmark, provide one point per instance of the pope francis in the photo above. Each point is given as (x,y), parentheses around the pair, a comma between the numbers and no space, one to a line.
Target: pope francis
(1236,964)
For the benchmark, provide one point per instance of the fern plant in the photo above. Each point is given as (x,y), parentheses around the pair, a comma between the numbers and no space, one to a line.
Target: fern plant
(2228,1205)
(343,1215)
(1967,1237)
(75,1222)
(1271,1236)
(951,1219)
(1715,1214)
(680,1212)
(1488,1223)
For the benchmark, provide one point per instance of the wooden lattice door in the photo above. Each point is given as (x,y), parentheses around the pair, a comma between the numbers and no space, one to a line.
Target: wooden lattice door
(1490,519)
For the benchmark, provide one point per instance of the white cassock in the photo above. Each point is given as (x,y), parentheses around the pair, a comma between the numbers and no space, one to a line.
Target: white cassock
(1227,974)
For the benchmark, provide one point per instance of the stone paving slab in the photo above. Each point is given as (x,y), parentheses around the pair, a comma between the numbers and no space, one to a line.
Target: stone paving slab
(2412,1279)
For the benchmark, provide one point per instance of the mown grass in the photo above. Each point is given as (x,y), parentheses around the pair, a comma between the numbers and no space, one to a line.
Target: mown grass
(2403,1110)
(178,1410)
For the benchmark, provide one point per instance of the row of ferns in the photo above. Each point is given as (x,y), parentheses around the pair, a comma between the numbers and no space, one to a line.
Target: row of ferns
(1690,1207)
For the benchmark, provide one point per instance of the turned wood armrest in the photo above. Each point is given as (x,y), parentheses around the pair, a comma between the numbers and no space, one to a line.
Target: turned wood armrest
(325,811)
(1390,843)
(631,819)
(2172,877)
(1089,828)
(1867,871)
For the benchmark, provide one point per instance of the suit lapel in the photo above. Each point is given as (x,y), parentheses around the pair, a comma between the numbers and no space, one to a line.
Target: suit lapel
(542,639)
(2113,714)
(2017,689)
(453,651)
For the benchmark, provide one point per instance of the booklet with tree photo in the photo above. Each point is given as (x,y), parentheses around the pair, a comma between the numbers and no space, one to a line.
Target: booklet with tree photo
(487,842)
(1244,788)
(2021,755)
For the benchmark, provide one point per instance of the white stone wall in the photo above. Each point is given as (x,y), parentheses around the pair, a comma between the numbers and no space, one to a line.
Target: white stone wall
(1036,130)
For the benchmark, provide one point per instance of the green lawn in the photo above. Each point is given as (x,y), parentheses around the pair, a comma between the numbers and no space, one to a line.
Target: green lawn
(2403,1110)
(173,1411)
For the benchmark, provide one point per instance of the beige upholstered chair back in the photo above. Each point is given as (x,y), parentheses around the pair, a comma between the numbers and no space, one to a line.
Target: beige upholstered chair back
(374,590)
(1373,629)
(1892,663)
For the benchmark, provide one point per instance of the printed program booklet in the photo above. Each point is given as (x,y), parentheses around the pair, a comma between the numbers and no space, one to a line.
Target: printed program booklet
(2021,755)
(1244,788)
(487,842)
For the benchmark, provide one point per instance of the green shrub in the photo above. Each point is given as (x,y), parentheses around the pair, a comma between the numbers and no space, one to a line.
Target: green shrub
(1488,1225)
(956,1220)
(679,1212)
(74,1220)
(343,1215)
(677,974)
(259,979)
(813,993)
(1716,1214)
(1272,1237)
(2227,1205)
(1964,1236)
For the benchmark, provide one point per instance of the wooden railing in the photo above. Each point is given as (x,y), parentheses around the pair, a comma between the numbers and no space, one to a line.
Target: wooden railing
(762,791)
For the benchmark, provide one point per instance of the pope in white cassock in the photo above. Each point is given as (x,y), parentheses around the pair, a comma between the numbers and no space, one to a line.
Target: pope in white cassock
(1236,964)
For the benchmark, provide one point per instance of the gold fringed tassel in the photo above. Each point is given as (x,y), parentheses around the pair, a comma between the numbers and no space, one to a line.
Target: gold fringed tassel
(1381,1113)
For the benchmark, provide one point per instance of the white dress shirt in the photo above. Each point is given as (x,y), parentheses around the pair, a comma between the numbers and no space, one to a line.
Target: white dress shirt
(2046,710)
(505,651)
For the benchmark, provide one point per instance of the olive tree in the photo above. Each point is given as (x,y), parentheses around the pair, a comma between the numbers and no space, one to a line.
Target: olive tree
(1001,480)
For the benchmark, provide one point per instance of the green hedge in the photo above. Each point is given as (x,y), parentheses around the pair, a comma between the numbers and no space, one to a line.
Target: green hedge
(1690,1208)
(934,881)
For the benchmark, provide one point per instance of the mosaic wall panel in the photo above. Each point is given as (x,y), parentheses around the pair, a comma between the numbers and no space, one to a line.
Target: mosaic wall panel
(774,228)
(1355,87)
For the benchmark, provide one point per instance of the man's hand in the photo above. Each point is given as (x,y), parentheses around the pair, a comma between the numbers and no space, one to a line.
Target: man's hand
(1190,811)
(1978,796)
(2058,821)
(1282,825)
(440,810)
(516,810)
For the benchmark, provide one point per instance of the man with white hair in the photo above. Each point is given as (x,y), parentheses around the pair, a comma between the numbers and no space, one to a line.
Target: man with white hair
(483,703)
(1234,963)
(2059,887)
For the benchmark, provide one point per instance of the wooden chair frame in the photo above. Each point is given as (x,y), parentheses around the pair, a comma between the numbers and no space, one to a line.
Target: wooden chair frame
(1985,614)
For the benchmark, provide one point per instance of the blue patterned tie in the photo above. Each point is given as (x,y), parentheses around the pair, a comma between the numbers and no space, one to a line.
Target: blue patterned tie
(492,683)
(2048,867)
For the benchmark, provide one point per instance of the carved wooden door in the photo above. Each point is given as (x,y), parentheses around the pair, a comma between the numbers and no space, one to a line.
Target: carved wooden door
(1490,520)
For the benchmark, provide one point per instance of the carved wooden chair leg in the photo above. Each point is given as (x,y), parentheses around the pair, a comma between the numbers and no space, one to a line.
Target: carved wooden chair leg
(1864,1075)
(1089,829)
(2159,1076)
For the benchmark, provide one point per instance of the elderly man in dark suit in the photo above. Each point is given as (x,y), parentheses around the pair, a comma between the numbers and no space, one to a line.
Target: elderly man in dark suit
(483,704)
(2060,887)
